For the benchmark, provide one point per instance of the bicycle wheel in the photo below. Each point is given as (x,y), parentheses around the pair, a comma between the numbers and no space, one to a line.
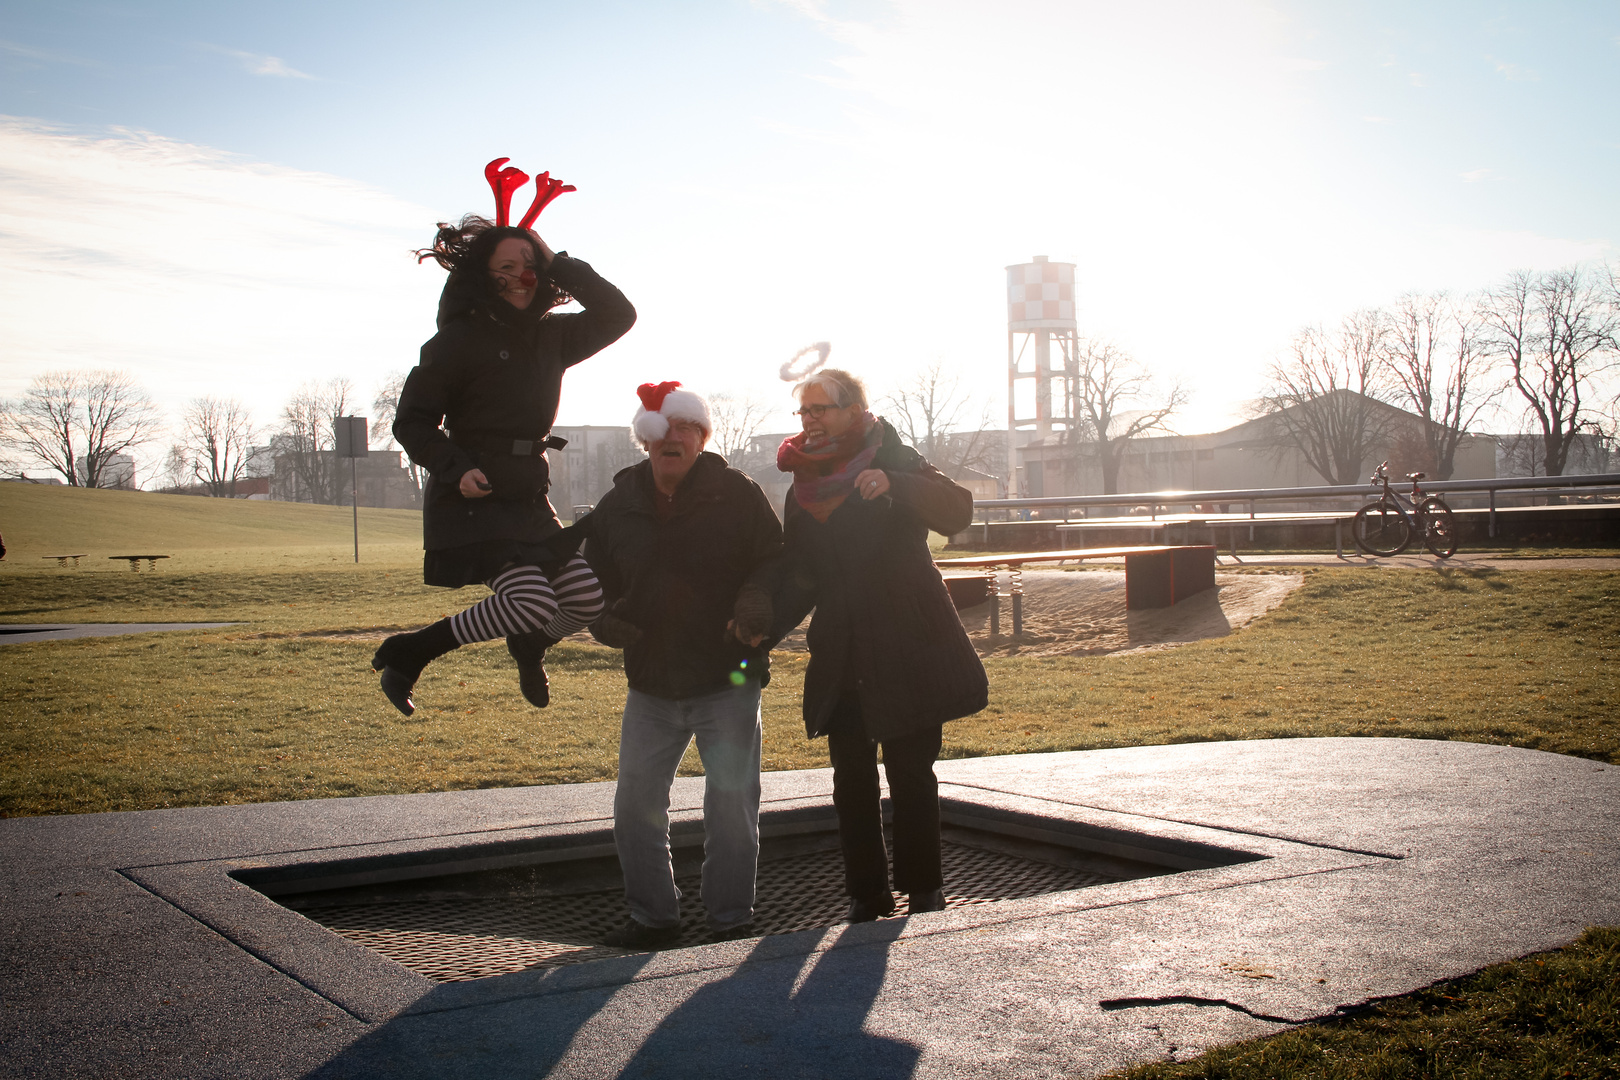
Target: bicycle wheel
(1381,529)
(1439,527)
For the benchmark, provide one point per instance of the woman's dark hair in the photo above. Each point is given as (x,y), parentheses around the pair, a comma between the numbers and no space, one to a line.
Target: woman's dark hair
(466,247)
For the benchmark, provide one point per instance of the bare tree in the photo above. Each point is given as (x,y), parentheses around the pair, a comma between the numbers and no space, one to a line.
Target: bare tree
(736,421)
(1433,350)
(77,422)
(1326,397)
(1115,401)
(305,447)
(218,438)
(928,410)
(178,469)
(384,407)
(1557,332)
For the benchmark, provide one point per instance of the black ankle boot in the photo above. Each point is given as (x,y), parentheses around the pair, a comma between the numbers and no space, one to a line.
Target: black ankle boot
(529,650)
(402,657)
(869,908)
(932,900)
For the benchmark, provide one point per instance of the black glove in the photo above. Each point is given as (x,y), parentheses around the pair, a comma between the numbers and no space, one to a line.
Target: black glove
(615,631)
(752,614)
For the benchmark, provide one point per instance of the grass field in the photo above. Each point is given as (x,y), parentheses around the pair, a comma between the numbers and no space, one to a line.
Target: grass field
(282,707)
(1555,1014)
(39,521)
(285,706)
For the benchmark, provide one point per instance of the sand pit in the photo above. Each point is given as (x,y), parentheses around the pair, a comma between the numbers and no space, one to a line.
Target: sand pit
(1082,613)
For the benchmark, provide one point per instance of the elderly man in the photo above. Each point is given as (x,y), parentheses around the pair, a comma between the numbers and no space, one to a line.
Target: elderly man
(683,546)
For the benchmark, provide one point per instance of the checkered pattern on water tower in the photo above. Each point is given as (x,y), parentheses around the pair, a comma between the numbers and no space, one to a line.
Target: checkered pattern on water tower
(1040,292)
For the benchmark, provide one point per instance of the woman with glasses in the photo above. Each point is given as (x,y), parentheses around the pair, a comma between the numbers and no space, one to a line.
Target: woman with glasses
(476,413)
(889,660)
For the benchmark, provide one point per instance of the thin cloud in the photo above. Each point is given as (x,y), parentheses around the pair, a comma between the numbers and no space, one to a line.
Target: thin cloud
(259,64)
(45,55)
(206,272)
(1417,78)
(1378,119)
(1474,176)
(1514,72)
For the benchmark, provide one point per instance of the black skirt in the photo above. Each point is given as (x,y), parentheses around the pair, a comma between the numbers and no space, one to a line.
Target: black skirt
(471,564)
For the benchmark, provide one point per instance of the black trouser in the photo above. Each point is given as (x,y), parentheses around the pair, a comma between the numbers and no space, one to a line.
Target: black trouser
(913,792)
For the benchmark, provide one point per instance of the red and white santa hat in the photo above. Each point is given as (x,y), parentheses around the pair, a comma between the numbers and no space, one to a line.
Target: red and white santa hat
(666,401)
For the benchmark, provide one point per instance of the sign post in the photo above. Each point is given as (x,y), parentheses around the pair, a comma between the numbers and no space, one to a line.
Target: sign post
(349,436)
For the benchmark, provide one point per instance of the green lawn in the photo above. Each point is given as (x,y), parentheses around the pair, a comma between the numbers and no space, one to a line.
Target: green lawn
(283,707)
(1553,1015)
(41,520)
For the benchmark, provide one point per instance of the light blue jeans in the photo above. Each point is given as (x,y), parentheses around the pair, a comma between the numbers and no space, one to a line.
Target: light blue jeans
(655,734)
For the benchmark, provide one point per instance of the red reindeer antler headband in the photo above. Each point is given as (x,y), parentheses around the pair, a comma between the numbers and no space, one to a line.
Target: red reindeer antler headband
(505,182)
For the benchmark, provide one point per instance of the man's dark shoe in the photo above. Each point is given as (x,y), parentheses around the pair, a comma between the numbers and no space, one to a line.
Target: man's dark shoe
(640,936)
(733,933)
(529,651)
(866,909)
(919,902)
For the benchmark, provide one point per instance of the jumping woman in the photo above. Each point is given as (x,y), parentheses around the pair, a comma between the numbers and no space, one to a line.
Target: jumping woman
(476,413)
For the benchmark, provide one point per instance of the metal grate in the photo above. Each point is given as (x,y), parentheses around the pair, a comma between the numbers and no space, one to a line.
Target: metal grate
(454,940)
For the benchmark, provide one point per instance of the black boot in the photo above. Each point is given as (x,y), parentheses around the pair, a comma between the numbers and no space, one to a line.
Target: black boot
(870,908)
(529,650)
(932,900)
(402,657)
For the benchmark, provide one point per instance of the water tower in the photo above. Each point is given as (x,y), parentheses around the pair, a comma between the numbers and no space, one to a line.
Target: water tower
(1040,311)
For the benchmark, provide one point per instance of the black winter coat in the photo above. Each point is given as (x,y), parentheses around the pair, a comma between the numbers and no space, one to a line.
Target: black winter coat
(493,374)
(885,631)
(681,576)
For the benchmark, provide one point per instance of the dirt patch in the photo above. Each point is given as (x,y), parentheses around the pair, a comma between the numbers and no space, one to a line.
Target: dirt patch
(1082,613)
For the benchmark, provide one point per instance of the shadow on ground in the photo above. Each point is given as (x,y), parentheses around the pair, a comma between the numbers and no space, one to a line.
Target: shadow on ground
(766,1017)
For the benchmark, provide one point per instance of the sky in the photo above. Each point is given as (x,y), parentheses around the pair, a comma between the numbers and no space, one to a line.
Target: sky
(222,198)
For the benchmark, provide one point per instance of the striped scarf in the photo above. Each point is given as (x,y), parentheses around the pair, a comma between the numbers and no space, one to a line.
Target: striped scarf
(824,472)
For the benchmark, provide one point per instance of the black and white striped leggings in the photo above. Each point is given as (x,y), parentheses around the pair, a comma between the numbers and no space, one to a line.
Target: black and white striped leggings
(526,601)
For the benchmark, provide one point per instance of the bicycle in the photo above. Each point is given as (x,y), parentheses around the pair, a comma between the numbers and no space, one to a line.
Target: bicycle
(1386,527)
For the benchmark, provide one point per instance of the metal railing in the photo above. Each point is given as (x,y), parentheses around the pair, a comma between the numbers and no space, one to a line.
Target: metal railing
(1155,501)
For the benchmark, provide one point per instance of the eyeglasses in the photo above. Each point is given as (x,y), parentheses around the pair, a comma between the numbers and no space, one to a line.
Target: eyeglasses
(815,412)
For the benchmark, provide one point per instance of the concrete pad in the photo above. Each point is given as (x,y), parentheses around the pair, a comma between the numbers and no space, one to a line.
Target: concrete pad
(1374,867)
(21,633)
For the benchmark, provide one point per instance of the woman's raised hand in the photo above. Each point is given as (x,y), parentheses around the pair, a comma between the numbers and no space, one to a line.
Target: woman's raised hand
(872,483)
(546,254)
(474,484)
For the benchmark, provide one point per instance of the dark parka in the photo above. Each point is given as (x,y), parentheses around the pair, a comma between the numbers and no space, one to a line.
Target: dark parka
(680,577)
(493,374)
(885,630)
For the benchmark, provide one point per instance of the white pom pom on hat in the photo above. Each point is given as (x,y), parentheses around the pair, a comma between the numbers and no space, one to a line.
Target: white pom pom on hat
(666,401)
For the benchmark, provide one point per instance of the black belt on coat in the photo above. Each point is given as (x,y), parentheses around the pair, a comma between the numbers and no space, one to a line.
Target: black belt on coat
(496,444)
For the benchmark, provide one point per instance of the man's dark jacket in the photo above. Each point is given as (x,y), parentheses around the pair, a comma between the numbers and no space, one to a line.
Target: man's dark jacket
(681,576)
(885,630)
(493,374)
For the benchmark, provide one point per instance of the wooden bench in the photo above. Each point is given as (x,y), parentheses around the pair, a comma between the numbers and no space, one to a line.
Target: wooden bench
(135,560)
(62,560)
(1155,576)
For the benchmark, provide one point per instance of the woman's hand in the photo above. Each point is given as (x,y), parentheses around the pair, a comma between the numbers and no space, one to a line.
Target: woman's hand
(474,484)
(872,483)
(546,254)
